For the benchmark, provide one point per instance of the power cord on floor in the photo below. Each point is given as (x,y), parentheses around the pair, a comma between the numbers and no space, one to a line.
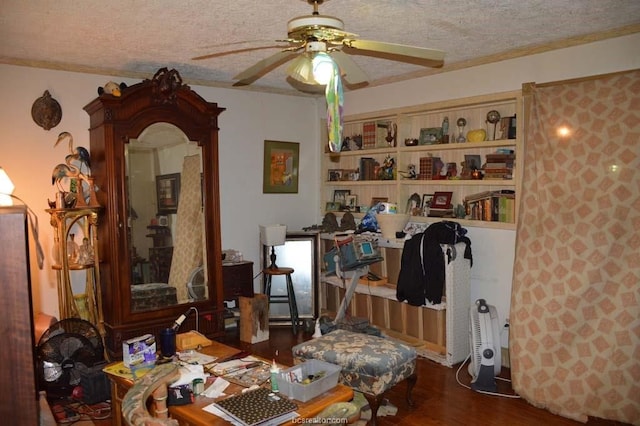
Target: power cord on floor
(504,395)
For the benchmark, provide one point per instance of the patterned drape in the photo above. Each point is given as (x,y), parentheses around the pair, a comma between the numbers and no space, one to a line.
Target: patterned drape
(575,308)
(187,247)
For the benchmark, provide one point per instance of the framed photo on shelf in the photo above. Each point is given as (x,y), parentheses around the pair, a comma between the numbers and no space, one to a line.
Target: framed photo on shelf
(350,175)
(168,193)
(334,175)
(351,202)
(414,204)
(472,162)
(376,200)
(340,196)
(332,207)
(441,200)
(430,135)
(280,172)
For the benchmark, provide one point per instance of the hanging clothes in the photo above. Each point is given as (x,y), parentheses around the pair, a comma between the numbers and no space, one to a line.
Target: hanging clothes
(422,276)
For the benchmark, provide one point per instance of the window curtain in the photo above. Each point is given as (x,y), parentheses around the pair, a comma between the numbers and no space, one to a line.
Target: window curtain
(188,246)
(575,308)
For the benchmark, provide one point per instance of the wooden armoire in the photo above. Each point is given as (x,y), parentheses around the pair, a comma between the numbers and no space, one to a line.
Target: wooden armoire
(133,142)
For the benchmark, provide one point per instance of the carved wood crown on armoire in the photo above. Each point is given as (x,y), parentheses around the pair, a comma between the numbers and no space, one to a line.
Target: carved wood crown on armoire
(154,157)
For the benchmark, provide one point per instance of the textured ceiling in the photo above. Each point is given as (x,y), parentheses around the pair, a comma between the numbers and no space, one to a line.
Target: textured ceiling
(133,38)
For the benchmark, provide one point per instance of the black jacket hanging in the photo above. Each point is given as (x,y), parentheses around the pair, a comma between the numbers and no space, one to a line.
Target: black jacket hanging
(422,265)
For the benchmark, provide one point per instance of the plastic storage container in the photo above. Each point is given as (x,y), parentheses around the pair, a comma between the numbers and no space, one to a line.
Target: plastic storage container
(305,392)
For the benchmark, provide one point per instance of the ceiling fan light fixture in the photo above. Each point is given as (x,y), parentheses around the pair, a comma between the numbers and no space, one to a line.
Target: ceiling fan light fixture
(323,67)
(301,69)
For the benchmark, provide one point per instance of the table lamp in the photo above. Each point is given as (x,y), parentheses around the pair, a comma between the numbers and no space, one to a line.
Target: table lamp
(273,235)
(6,189)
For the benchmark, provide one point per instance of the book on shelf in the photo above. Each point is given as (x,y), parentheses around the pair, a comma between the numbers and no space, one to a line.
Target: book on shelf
(492,206)
(369,135)
(368,168)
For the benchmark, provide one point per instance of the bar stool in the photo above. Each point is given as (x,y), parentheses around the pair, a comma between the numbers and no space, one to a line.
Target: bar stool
(289,298)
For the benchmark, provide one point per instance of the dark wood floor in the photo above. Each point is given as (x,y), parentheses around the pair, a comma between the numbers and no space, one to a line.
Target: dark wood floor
(439,399)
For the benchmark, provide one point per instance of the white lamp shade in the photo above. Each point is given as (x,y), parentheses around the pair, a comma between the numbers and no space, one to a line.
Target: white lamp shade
(273,235)
(6,189)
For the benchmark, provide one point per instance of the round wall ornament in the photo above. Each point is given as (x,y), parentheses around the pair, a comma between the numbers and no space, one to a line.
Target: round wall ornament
(46,111)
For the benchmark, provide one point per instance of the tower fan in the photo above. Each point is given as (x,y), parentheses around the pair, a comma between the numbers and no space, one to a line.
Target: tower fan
(484,340)
(66,350)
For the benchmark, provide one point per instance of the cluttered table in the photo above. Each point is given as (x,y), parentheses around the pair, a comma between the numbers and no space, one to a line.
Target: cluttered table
(200,411)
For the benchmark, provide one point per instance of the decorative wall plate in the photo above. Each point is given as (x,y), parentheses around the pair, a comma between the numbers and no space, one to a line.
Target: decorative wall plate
(46,111)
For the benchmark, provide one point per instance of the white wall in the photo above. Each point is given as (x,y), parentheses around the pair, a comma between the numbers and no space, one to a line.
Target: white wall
(28,156)
(494,250)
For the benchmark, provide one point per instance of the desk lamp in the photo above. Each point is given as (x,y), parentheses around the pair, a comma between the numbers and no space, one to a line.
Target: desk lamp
(273,235)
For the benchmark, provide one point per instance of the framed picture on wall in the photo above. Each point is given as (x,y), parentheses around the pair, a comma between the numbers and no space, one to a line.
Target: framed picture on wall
(168,193)
(280,173)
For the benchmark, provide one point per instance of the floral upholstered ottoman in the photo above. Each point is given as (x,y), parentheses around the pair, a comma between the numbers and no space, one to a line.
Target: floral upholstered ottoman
(370,364)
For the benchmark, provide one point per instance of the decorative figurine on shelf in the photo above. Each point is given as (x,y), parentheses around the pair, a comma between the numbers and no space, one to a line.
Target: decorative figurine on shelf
(385,172)
(493,117)
(72,250)
(410,173)
(72,169)
(348,222)
(445,130)
(330,223)
(112,88)
(85,251)
(392,132)
(461,123)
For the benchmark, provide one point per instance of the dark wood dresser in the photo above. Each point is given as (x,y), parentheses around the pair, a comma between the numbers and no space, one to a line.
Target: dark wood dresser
(237,279)
(17,356)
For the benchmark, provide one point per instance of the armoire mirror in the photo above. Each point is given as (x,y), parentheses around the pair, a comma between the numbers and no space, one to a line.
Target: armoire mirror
(162,166)
(154,155)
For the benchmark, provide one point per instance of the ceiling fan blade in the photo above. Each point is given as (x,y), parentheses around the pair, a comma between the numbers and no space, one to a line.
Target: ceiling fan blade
(353,74)
(396,52)
(262,67)
(232,52)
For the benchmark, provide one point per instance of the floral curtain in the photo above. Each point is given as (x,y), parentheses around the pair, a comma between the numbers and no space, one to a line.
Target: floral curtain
(575,308)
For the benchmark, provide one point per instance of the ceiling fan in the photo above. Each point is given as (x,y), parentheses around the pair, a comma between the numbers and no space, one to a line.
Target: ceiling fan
(315,35)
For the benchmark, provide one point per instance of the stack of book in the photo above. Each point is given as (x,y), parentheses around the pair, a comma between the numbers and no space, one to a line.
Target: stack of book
(368,167)
(499,165)
(492,206)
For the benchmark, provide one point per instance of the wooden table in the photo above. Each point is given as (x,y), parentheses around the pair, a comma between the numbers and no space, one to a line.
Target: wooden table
(194,415)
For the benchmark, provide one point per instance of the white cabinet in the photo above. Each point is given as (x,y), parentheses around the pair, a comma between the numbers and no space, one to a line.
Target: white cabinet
(438,332)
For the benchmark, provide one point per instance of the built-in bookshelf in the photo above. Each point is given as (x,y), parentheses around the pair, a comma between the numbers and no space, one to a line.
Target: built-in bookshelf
(417,152)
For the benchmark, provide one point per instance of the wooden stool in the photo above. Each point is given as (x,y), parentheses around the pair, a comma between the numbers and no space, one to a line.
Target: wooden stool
(289,298)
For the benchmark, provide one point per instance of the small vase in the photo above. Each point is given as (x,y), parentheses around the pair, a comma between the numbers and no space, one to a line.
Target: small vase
(72,250)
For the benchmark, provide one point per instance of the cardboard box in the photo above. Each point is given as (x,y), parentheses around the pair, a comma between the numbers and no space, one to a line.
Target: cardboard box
(139,351)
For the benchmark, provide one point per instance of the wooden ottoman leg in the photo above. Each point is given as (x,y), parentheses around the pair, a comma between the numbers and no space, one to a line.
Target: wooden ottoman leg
(374,404)
(411,382)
